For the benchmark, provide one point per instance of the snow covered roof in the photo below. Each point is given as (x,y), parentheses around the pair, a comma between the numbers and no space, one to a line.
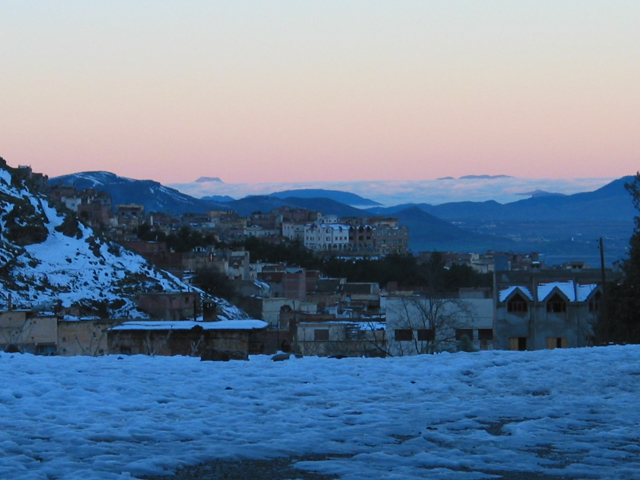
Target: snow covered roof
(584,291)
(362,326)
(506,292)
(189,324)
(574,292)
(567,288)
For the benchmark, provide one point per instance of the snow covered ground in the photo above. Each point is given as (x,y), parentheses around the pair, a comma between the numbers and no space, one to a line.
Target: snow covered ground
(572,413)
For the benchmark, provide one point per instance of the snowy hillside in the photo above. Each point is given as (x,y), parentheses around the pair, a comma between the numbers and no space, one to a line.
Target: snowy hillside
(552,414)
(48,257)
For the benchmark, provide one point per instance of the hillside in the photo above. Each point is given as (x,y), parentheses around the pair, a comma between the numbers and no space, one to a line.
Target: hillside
(428,232)
(47,256)
(339,196)
(154,196)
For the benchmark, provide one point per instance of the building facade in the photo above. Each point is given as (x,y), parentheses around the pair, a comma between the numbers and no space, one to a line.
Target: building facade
(546,309)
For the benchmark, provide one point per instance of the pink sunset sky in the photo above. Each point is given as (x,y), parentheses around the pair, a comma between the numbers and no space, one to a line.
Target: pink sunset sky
(291,91)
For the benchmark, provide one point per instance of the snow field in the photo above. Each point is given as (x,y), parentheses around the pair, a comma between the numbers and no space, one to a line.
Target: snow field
(571,413)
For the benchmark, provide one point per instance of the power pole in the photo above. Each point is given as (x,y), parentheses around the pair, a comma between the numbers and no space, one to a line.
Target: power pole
(603,303)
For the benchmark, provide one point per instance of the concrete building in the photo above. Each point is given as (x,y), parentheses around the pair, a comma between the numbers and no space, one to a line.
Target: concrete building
(546,308)
(326,237)
(419,324)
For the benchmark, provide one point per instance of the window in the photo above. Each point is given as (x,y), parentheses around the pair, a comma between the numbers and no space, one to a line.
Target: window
(556,304)
(45,349)
(426,335)
(594,304)
(461,332)
(517,304)
(321,335)
(485,334)
(403,335)
(518,343)
(556,342)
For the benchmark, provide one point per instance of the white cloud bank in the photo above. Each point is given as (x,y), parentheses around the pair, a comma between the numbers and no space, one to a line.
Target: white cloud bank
(395,192)
(557,413)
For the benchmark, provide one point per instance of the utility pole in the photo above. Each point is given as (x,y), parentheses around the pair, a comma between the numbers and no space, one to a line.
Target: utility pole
(603,303)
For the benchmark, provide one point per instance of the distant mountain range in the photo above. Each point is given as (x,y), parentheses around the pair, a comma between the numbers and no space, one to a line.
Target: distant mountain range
(476,188)
(562,226)
(609,203)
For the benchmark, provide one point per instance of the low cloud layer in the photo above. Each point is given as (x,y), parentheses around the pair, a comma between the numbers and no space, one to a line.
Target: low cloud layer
(394,192)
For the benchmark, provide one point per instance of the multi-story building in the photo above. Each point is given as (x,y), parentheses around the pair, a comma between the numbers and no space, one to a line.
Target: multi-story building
(326,237)
(541,309)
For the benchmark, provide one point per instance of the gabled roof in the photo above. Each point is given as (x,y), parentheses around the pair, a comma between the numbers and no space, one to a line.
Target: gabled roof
(585,291)
(566,288)
(571,290)
(509,291)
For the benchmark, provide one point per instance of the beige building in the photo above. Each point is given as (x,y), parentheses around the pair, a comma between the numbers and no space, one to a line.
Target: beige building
(84,337)
(28,332)
(40,334)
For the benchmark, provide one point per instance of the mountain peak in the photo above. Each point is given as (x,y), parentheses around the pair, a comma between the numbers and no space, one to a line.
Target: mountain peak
(541,193)
(209,179)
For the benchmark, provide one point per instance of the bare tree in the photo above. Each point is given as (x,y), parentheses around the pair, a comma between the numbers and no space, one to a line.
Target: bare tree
(426,324)
(154,345)
(94,348)
(195,346)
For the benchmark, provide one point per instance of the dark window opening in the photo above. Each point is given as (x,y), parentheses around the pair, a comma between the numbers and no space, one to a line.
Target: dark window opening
(403,335)
(426,335)
(321,335)
(594,304)
(517,304)
(45,349)
(485,334)
(556,304)
(522,344)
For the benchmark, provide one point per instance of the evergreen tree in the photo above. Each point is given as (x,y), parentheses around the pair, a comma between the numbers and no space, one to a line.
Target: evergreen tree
(622,322)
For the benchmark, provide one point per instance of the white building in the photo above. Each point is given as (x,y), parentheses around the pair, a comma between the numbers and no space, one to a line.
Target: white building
(323,237)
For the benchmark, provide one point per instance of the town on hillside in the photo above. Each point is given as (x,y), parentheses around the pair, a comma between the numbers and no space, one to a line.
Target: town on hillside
(351,289)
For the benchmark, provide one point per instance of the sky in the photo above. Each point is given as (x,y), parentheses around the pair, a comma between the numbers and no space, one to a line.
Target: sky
(563,413)
(289,91)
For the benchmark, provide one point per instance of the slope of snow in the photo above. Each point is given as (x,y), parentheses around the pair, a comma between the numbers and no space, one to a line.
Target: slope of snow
(558,413)
(80,268)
